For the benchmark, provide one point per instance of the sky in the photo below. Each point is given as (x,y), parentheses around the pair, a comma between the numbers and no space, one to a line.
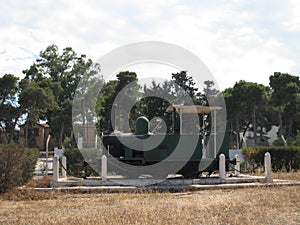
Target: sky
(237,40)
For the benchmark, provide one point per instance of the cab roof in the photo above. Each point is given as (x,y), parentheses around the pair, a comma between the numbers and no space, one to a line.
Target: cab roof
(197,109)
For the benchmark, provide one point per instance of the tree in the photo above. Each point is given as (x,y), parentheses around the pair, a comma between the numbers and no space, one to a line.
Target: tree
(127,84)
(153,106)
(34,101)
(243,101)
(285,96)
(185,87)
(61,73)
(85,103)
(10,111)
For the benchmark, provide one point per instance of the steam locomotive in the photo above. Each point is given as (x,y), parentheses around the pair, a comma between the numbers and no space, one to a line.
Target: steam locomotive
(184,151)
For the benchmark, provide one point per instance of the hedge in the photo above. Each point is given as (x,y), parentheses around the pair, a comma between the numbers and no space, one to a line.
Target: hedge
(79,161)
(282,158)
(17,166)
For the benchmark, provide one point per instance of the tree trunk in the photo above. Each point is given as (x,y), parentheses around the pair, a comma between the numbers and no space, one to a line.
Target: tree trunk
(244,132)
(290,129)
(26,134)
(254,125)
(83,121)
(238,133)
(12,132)
(230,138)
(280,121)
(62,127)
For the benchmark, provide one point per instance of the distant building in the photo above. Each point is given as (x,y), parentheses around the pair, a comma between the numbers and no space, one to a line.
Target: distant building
(265,140)
(37,135)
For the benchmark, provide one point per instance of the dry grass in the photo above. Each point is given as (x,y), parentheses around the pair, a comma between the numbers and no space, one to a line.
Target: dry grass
(276,205)
(243,206)
(43,182)
(287,176)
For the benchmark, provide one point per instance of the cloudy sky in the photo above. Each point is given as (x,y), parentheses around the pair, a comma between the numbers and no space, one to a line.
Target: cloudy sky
(236,39)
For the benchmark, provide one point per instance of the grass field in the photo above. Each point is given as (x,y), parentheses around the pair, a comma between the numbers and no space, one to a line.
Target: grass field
(276,205)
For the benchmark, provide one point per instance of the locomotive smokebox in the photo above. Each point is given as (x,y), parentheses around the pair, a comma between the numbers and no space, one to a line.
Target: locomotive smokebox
(142,126)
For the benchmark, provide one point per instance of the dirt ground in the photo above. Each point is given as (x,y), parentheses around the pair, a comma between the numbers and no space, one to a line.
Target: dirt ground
(261,205)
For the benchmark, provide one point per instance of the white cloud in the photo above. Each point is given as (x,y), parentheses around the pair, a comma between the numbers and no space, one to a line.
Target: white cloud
(236,39)
(293,18)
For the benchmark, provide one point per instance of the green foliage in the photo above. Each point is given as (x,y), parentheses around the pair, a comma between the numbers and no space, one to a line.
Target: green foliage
(278,142)
(296,141)
(76,159)
(58,75)
(108,95)
(247,103)
(17,166)
(282,158)
(286,97)
(8,87)
(10,112)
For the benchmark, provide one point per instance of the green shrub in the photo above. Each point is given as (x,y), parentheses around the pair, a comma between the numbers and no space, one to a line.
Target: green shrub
(76,159)
(278,142)
(17,165)
(282,158)
(296,141)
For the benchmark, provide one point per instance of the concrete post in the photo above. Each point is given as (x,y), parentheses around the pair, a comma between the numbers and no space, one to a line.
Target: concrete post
(104,168)
(237,167)
(55,168)
(80,142)
(47,154)
(98,164)
(96,141)
(64,166)
(268,167)
(215,132)
(222,168)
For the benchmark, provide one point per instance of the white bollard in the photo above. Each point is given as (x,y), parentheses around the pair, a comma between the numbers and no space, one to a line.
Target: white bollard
(268,167)
(64,166)
(104,168)
(55,168)
(80,142)
(222,169)
(237,167)
(96,141)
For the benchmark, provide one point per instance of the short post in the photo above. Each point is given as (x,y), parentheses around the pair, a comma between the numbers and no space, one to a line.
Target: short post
(64,166)
(268,167)
(98,164)
(104,168)
(55,168)
(47,154)
(222,169)
(237,167)
(96,141)
(80,142)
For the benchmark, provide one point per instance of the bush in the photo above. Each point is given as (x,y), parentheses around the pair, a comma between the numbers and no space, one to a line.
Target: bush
(76,159)
(282,158)
(17,165)
(278,142)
